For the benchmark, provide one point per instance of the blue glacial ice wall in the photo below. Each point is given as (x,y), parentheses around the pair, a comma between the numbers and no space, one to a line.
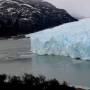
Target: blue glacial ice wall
(71,39)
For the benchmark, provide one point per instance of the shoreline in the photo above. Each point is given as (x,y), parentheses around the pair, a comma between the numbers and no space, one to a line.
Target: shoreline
(35,82)
(81,87)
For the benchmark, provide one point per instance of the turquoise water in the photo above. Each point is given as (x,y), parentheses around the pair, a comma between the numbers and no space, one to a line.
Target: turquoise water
(75,72)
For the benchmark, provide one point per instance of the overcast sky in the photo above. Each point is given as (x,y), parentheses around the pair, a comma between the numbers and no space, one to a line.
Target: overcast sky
(77,8)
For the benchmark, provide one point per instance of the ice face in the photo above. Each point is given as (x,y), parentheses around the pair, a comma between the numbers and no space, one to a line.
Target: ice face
(71,39)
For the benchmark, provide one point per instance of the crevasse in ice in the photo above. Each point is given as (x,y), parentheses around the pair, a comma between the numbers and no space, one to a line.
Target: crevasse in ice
(71,39)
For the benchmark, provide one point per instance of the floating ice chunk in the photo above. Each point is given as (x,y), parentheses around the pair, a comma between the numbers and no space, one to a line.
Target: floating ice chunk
(71,39)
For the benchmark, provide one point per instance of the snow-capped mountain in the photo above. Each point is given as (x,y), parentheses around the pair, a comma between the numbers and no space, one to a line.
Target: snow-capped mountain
(28,16)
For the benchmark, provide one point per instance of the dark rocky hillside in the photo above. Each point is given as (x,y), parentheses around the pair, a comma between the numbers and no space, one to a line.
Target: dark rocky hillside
(27,16)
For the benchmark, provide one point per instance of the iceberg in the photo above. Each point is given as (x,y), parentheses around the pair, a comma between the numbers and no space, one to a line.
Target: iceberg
(70,39)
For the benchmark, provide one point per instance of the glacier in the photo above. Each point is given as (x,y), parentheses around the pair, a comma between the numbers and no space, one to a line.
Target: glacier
(70,39)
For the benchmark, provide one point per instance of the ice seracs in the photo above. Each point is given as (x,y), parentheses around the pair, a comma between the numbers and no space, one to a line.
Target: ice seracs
(71,39)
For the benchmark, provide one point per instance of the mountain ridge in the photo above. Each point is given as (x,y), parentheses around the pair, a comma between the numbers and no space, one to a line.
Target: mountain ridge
(20,17)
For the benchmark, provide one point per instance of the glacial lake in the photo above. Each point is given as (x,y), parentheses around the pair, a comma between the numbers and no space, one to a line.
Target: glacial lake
(59,67)
(15,58)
